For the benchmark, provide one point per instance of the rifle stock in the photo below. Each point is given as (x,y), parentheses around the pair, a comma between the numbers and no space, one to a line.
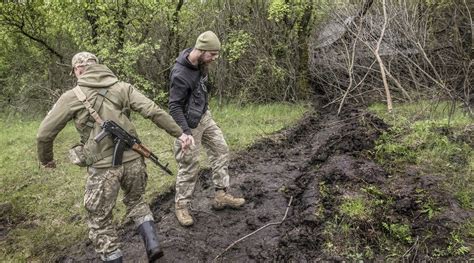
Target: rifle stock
(143,150)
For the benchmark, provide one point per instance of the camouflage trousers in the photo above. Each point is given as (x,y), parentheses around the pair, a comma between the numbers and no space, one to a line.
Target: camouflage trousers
(209,135)
(102,188)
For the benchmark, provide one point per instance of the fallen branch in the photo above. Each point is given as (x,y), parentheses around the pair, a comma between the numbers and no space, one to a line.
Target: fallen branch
(267,225)
(407,253)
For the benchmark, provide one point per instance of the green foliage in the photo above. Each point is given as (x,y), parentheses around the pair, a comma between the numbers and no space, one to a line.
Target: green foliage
(266,70)
(116,34)
(270,69)
(277,10)
(401,232)
(427,204)
(124,62)
(139,41)
(376,197)
(20,76)
(236,45)
(44,207)
(356,208)
(456,247)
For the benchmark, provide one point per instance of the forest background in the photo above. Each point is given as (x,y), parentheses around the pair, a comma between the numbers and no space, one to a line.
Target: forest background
(268,46)
(264,56)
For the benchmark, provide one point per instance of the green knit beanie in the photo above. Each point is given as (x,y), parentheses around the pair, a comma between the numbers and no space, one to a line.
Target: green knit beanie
(208,41)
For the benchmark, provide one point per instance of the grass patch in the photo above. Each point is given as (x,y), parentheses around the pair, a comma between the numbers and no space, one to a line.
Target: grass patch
(401,232)
(43,209)
(436,139)
(355,208)
(242,124)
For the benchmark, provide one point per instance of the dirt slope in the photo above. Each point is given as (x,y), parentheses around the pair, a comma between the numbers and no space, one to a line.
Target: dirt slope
(322,150)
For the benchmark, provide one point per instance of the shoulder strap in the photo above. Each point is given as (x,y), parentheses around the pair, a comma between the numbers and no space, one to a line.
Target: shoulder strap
(93,112)
(82,98)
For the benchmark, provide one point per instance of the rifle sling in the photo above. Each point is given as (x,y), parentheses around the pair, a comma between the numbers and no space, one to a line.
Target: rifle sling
(97,157)
(90,124)
(100,99)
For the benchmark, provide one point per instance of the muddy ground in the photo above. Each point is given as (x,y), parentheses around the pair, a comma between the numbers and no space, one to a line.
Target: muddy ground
(323,151)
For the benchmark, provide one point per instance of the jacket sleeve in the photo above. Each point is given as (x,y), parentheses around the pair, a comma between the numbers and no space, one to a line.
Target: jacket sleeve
(148,109)
(179,93)
(49,128)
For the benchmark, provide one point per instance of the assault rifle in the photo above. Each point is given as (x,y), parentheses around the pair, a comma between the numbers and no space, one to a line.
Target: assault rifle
(124,140)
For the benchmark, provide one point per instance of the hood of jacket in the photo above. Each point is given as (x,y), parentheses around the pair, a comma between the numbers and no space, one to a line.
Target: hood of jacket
(183,59)
(97,76)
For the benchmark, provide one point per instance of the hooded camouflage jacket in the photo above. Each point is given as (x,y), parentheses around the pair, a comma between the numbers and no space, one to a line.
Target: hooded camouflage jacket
(120,98)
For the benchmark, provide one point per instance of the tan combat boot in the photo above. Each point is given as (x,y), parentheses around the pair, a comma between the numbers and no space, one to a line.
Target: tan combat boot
(223,200)
(182,214)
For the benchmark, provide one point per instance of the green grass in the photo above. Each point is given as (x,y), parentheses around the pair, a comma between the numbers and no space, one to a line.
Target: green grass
(434,140)
(437,139)
(242,124)
(44,207)
(400,232)
(355,208)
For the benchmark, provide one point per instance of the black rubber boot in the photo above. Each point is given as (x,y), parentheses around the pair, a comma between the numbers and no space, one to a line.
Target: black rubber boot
(114,257)
(148,233)
(117,260)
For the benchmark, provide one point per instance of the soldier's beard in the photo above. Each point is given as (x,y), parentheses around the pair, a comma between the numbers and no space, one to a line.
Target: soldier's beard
(203,66)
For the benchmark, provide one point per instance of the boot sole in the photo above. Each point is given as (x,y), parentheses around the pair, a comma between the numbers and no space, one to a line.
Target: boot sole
(186,225)
(218,208)
(156,255)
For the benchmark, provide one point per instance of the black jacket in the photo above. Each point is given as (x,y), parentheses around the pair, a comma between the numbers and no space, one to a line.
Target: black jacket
(188,99)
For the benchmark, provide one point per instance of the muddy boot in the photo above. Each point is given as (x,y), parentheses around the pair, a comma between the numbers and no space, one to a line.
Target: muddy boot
(182,214)
(148,233)
(223,200)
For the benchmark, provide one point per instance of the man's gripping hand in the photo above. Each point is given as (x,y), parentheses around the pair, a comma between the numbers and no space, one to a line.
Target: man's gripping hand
(186,141)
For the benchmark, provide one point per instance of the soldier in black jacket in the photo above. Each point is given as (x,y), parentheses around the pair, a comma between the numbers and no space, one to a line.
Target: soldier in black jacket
(189,107)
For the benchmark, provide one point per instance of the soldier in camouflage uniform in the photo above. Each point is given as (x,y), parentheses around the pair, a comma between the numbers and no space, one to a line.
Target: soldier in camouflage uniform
(112,100)
(189,107)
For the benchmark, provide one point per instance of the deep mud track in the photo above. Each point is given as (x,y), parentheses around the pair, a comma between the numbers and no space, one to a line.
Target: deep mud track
(322,150)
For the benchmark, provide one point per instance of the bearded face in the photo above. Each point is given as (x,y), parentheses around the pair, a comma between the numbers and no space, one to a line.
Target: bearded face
(206,58)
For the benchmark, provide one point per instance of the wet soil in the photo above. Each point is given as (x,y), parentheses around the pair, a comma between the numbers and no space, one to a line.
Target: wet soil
(316,164)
